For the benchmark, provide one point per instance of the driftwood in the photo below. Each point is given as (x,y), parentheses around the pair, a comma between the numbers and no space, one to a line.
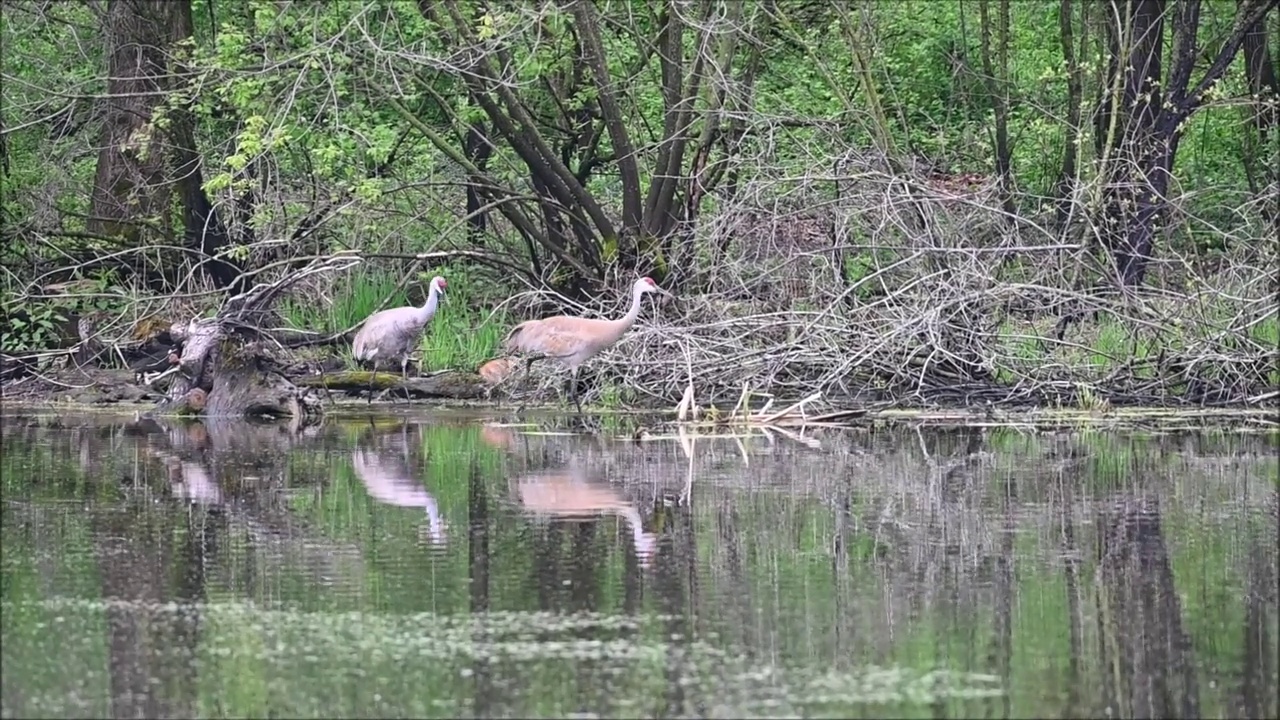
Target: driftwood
(245,384)
(448,384)
(219,355)
(237,378)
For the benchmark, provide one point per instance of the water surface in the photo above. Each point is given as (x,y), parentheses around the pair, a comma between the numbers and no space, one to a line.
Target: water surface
(445,567)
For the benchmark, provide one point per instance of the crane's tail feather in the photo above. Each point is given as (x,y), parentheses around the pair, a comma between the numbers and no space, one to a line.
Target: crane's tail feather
(512,342)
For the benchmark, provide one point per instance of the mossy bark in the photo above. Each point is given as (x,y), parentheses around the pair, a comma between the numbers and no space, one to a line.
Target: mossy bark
(451,384)
(244,385)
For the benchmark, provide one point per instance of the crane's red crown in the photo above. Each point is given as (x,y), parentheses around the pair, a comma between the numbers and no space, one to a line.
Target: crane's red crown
(649,281)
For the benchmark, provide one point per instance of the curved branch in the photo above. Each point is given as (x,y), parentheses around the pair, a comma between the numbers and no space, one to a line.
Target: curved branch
(524,138)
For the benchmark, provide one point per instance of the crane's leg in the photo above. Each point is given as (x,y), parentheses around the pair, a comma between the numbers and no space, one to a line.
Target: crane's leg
(373,376)
(573,389)
(528,366)
(404,377)
(565,393)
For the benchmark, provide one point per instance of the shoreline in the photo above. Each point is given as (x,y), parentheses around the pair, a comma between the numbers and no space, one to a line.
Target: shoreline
(118,392)
(1029,418)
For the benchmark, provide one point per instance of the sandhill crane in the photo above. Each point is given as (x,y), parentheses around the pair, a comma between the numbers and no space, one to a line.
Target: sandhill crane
(574,340)
(393,333)
(568,494)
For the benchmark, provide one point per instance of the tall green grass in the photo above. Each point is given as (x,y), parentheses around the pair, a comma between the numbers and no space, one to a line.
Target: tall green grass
(1267,333)
(465,332)
(462,335)
(355,297)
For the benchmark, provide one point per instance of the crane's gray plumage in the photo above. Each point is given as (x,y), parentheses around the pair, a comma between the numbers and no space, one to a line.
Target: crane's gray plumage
(392,334)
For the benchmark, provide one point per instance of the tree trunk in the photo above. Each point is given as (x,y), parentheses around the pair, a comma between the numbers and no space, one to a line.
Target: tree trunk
(588,27)
(1075,97)
(129,185)
(4,148)
(1145,115)
(478,150)
(134,182)
(579,232)
(1261,73)
(204,228)
(996,80)
(1144,154)
(1264,113)
(234,379)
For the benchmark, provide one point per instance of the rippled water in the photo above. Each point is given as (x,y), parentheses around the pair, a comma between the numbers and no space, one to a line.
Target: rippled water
(449,567)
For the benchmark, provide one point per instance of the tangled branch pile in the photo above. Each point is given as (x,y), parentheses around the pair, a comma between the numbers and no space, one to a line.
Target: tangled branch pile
(873,285)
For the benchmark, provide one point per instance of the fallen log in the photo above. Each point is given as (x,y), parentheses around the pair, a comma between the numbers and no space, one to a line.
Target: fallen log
(451,384)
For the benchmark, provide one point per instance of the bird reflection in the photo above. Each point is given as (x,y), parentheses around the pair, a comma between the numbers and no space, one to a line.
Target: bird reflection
(569,494)
(190,480)
(388,480)
(498,436)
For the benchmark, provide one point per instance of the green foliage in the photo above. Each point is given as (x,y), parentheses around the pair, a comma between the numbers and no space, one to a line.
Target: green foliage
(302,89)
(53,65)
(1109,346)
(356,296)
(38,330)
(41,324)
(465,332)
(1266,332)
(335,126)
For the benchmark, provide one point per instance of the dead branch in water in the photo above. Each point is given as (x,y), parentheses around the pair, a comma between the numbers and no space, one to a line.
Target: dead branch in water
(793,415)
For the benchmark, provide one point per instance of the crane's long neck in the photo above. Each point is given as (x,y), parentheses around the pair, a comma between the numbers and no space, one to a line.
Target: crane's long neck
(625,322)
(429,308)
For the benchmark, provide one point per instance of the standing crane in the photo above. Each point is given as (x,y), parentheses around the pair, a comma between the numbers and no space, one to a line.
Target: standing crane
(393,333)
(572,341)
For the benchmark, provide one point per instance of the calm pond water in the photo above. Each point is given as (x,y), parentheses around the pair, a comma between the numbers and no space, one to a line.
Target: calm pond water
(443,567)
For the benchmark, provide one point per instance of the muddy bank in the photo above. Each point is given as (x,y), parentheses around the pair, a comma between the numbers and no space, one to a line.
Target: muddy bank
(90,386)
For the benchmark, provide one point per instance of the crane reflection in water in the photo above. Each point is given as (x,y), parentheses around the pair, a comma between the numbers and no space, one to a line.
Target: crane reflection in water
(388,479)
(570,493)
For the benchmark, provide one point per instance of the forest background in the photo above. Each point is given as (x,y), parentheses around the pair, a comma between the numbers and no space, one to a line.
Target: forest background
(950,201)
